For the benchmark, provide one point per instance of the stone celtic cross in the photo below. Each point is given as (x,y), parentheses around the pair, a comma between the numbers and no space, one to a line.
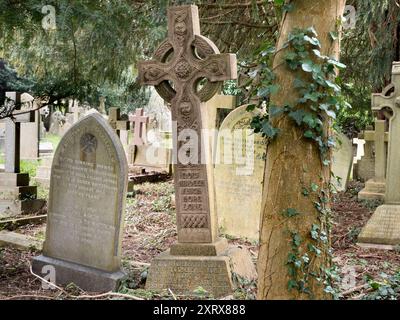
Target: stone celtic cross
(138,119)
(186,71)
(390,98)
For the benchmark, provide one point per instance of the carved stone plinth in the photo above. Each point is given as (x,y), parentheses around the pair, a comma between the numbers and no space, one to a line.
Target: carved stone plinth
(213,272)
(17,196)
(383,228)
(374,190)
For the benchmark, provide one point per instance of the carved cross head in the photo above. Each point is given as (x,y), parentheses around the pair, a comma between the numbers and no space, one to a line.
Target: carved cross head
(187,64)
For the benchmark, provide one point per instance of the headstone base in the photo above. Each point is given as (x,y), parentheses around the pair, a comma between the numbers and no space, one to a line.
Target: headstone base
(20,207)
(86,278)
(383,227)
(17,196)
(185,273)
(374,190)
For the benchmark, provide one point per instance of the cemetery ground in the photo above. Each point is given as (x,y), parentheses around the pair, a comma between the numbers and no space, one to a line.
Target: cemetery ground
(150,228)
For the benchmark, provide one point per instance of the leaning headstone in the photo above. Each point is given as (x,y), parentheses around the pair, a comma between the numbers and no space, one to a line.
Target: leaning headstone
(342,161)
(239,173)
(375,187)
(200,258)
(384,226)
(86,207)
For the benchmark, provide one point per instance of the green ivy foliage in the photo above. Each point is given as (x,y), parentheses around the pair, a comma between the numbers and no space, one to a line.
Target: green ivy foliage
(317,83)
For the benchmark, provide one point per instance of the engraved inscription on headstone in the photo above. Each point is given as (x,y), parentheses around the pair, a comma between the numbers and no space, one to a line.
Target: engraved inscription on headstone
(86,205)
(239,174)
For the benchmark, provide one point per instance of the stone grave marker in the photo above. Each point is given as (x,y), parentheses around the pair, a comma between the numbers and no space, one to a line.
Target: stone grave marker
(239,174)
(342,161)
(200,258)
(30,131)
(375,187)
(364,169)
(86,207)
(384,226)
(43,171)
(16,195)
(117,122)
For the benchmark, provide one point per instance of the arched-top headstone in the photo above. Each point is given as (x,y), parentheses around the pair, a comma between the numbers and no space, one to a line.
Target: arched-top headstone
(239,173)
(86,205)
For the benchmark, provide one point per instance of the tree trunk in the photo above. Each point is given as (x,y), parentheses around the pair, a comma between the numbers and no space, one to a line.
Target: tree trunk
(293,162)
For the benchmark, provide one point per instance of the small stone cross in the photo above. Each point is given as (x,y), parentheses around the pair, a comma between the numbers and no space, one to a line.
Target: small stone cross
(138,119)
(116,121)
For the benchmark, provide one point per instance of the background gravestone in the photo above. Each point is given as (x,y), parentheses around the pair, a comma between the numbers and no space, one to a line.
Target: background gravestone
(239,178)
(30,131)
(342,161)
(86,205)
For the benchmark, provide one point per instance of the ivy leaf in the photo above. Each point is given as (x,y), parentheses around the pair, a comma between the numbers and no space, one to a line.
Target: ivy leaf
(331,114)
(290,56)
(314,41)
(297,116)
(290,212)
(332,85)
(309,119)
(313,96)
(314,187)
(292,284)
(313,31)
(298,83)
(337,64)
(275,111)
(318,54)
(308,134)
(250,107)
(269,130)
(296,240)
(334,35)
(307,66)
(279,2)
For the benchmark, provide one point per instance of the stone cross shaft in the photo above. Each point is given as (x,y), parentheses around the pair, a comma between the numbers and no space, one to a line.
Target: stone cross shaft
(116,121)
(187,70)
(138,119)
(390,98)
(13,132)
(379,137)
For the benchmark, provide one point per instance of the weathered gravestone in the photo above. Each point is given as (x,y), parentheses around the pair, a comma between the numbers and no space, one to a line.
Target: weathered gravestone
(239,173)
(30,131)
(199,258)
(43,171)
(16,195)
(342,161)
(144,155)
(86,207)
(384,226)
(375,187)
(364,169)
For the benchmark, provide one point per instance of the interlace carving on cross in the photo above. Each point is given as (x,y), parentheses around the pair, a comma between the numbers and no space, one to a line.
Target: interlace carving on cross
(188,69)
